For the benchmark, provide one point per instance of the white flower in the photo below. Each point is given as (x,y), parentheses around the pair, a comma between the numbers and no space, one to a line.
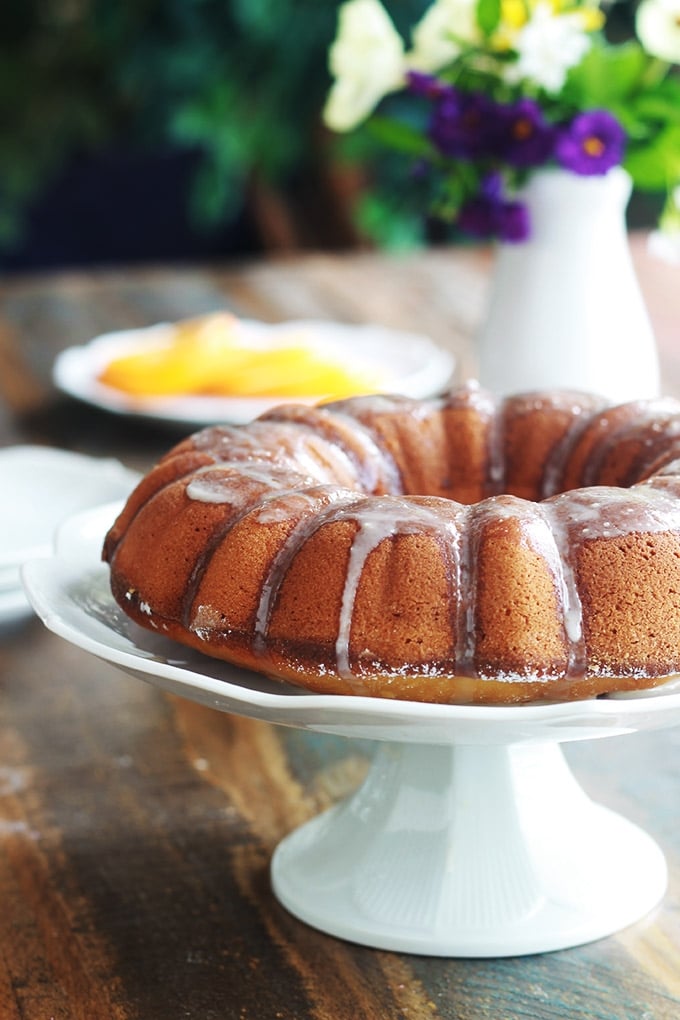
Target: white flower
(547,46)
(438,34)
(367,61)
(658,27)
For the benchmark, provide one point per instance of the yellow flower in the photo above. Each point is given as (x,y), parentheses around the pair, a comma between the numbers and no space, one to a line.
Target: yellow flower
(592,19)
(514,13)
(514,16)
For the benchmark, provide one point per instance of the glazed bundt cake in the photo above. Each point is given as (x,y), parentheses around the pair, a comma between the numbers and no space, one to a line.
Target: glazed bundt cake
(455,550)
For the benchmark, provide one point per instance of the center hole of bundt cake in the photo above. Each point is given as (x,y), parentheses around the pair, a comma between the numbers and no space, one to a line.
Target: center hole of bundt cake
(532,447)
(472,449)
(471,446)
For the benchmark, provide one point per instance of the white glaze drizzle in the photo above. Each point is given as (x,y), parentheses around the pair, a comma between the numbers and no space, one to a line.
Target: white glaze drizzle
(599,513)
(278,507)
(495,475)
(386,469)
(281,443)
(661,443)
(556,545)
(273,506)
(553,470)
(379,519)
(223,482)
(301,533)
(466,561)
(636,417)
(537,533)
(322,460)
(374,469)
(604,511)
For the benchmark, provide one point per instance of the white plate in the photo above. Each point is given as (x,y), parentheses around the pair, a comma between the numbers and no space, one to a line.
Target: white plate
(41,487)
(407,363)
(70,592)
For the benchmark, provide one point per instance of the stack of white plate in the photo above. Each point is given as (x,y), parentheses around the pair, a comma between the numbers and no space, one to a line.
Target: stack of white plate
(39,488)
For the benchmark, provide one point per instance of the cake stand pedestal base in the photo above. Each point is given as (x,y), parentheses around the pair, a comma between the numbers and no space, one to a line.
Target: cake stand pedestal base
(469,851)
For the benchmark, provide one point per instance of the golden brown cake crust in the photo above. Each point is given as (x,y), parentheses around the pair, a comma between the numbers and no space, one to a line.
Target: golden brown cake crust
(455,550)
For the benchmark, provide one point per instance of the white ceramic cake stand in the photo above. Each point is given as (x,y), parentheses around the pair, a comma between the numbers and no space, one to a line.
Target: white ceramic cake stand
(469,837)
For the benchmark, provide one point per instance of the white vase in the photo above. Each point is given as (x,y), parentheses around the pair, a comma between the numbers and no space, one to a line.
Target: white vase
(565,308)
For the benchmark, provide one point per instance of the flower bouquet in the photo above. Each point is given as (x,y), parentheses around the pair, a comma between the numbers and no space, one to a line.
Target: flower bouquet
(492,90)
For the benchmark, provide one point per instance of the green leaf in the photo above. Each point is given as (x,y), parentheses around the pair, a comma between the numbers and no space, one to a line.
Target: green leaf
(399,136)
(656,166)
(389,226)
(488,15)
(606,74)
(637,130)
(658,107)
(216,194)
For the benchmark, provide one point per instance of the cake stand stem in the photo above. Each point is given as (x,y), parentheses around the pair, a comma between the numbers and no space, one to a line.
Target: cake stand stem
(471,851)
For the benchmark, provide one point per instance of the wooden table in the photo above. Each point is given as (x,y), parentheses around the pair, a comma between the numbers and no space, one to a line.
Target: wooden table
(136,828)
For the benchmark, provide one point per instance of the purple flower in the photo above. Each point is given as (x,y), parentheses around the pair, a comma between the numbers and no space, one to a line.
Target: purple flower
(513,222)
(525,138)
(478,217)
(591,144)
(421,84)
(491,186)
(488,214)
(464,125)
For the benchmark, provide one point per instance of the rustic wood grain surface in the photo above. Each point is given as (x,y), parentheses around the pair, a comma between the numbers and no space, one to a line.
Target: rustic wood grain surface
(136,828)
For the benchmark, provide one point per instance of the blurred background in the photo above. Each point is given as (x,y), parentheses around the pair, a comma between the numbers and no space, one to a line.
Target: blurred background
(178,130)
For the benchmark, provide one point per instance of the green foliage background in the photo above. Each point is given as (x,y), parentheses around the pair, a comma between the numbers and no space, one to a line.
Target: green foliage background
(241,81)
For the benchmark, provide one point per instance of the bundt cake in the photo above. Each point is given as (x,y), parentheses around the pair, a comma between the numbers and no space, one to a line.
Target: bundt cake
(463,549)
